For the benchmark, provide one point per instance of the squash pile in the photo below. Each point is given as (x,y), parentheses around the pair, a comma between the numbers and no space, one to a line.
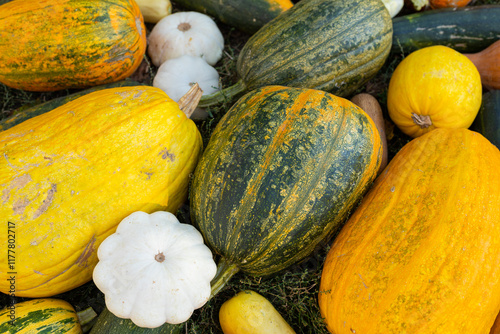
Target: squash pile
(359,130)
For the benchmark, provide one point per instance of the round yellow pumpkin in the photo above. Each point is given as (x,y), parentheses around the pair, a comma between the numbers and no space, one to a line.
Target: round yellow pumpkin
(434,87)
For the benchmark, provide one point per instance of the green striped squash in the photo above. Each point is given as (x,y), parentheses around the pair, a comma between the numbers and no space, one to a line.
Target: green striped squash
(38,316)
(332,45)
(281,172)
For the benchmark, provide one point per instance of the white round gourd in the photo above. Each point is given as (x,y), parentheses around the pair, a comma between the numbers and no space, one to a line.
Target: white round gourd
(185,33)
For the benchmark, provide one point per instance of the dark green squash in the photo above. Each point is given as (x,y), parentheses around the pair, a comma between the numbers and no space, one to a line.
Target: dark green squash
(108,323)
(487,121)
(332,45)
(245,15)
(465,29)
(281,172)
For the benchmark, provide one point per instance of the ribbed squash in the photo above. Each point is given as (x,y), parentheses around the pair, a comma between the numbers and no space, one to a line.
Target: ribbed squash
(69,176)
(40,316)
(245,15)
(331,45)
(280,173)
(57,44)
(420,254)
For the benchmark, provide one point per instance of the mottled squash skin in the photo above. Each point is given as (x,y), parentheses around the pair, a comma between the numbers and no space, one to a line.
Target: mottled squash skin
(69,176)
(332,45)
(48,45)
(40,316)
(280,173)
(421,252)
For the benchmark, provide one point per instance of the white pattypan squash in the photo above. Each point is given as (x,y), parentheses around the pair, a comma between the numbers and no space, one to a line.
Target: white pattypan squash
(393,6)
(176,76)
(185,33)
(154,269)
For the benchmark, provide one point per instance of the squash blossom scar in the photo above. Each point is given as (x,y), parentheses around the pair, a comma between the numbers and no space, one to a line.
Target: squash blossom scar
(46,202)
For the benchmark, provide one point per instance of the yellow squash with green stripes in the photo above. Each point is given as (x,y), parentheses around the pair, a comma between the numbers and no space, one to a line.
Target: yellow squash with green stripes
(38,316)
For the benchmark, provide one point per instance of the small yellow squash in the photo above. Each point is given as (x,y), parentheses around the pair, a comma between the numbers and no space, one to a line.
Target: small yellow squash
(434,87)
(251,313)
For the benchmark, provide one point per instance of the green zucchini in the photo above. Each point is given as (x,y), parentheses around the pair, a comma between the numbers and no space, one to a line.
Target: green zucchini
(465,29)
(331,45)
(487,121)
(108,323)
(24,113)
(245,15)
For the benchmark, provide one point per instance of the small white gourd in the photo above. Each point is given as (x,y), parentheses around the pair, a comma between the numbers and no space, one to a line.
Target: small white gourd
(394,6)
(176,76)
(154,269)
(185,33)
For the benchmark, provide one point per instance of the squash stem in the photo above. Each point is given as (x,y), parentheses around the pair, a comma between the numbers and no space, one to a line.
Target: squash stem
(222,95)
(225,271)
(86,318)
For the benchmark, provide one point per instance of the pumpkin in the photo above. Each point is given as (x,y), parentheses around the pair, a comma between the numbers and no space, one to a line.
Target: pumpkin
(370,105)
(342,48)
(60,44)
(154,10)
(280,173)
(488,65)
(448,3)
(487,121)
(417,255)
(185,33)
(248,312)
(47,315)
(245,15)
(69,176)
(464,29)
(154,269)
(434,87)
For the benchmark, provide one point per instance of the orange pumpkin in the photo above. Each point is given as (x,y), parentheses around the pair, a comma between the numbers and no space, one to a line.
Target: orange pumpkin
(421,252)
(58,44)
(434,87)
(448,3)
